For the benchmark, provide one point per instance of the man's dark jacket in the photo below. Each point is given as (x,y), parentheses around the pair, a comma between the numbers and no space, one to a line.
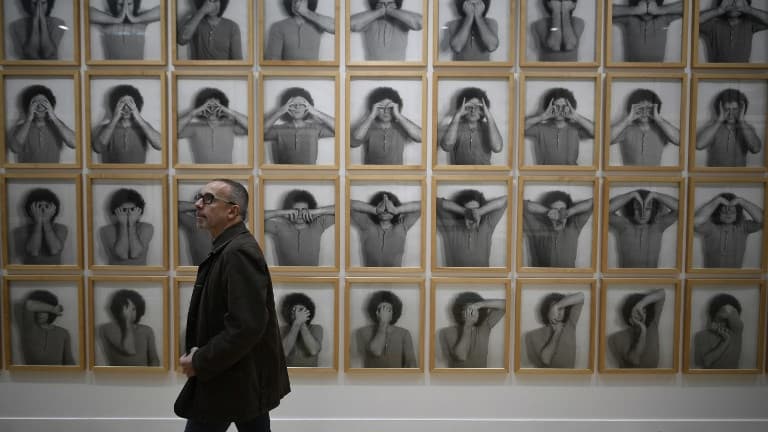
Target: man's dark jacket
(240,365)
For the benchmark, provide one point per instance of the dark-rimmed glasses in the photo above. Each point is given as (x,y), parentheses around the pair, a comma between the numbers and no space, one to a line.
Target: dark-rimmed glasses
(209,198)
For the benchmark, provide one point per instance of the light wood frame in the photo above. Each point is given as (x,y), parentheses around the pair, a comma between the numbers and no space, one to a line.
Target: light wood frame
(75,23)
(162,61)
(178,284)
(697,61)
(264,37)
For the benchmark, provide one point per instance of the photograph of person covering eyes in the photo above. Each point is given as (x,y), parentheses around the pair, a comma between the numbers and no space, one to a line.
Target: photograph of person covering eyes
(465,344)
(644,27)
(558,33)
(381,343)
(729,138)
(126,240)
(728,28)
(553,345)
(42,341)
(302,340)
(472,136)
(124,340)
(41,240)
(386,27)
(298,36)
(209,35)
(637,345)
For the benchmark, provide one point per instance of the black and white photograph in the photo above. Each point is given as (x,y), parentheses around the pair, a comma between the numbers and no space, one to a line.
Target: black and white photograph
(470,324)
(647,33)
(726,225)
(212,32)
(724,326)
(128,318)
(386,223)
(642,225)
(41,32)
(307,313)
(473,33)
(126,119)
(384,324)
(300,222)
(728,123)
(386,32)
(212,120)
(558,120)
(472,120)
(387,121)
(183,286)
(564,33)
(125,32)
(299,32)
(301,121)
(557,224)
(640,323)
(645,121)
(41,221)
(41,119)
(44,323)
(191,245)
(471,223)
(554,325)
(128,221)
(730,33)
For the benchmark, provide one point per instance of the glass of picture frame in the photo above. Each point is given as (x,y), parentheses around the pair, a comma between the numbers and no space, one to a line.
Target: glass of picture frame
(114,36)
(197,41)
(183,286)
(277,27)
(639,326)
(393,35)
(724,326)
(494,46)
(724,37)
(61,45)
(397,303)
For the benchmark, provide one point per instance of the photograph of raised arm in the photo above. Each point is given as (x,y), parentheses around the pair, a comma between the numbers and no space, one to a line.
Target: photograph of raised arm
(40,135)
(124,341)
(557,129)
(554,344)
(466,223)
(472,135)
(384,131)
(296,126)
(298,36)
(199,241)
(385,28)
(37,35)
(125,136)
(644,25)
(465,344)
(552,225)
(382,344)
(42,342)
(724,223)
(558,34)
(473,36)
(643,133)
(126,239)
(638,219)
(302,340)
(719,345)
(637,345)
(297,228)
(728,137)
(383,223)
(211,127)
(41,240)
(123,27)
(727,30)
(209,35)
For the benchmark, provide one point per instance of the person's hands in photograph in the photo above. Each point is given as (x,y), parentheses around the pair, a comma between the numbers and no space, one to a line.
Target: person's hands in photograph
(385,29)
(123,26)
(727,30)
(473,36)
(210,35)
(472,135)
(38,35)
(39,135)
(558,128)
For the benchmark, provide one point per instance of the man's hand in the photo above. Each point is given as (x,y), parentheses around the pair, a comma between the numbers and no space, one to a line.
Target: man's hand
(186,363)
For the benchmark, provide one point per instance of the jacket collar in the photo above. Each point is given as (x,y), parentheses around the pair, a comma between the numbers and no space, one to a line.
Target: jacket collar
(227,235)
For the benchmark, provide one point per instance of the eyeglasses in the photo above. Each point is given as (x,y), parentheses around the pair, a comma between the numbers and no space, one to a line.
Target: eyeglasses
(208,198)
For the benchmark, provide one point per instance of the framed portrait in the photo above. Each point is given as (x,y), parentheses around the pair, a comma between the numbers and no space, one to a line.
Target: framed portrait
(212,114)
(729,123)
(123,131)
(300,113)
(191,244)
(642,228)
(183,286)
(50,136)
(212,33)
(57,30)
(726,225)
(42,221)
(729,34)
(142,301)
(472,121)
(486,306)
(386,223)
(386,123)
(128,222)
(472,223)
(559,114)
(724,326)
(639,326)
(561,35)
(386,32)
(554,326)
(308,316)
(44,322)
(300,219)
(286,41)
(394,304)
(645,121)
(647,34)
(118,35)
(489,41)
(556,224)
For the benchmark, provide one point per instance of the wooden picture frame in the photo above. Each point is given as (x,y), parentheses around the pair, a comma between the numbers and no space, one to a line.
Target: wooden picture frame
(237,20)
(274,20)
(140,26)
(741,53)
(408,29)
(182,294)
(67,50)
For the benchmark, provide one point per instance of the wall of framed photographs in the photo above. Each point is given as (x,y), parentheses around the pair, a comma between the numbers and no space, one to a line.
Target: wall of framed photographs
(558,207)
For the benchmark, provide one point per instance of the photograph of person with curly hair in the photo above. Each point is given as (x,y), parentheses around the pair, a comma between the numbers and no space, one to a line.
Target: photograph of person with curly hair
(387,30)
(473,32)
(213,30)
(44,31)
(119,29)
